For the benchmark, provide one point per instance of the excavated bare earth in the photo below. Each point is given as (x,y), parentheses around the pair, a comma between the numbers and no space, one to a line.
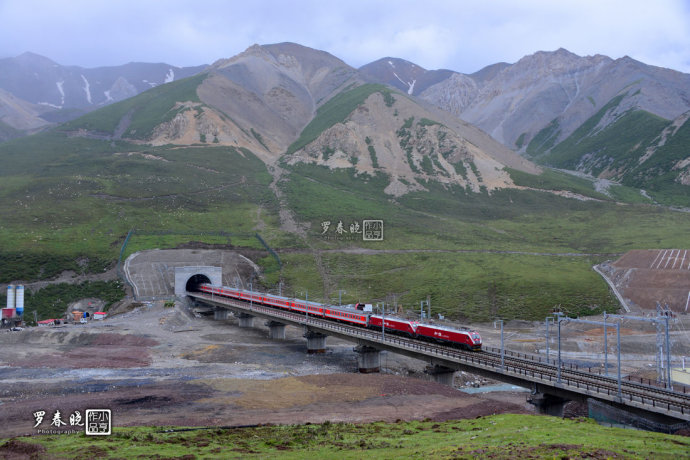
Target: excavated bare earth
(648,276)
(158,366)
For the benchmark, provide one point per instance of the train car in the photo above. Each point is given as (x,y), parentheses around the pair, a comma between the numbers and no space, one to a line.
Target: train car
(277,301)
(311,308)
(394,325)
(347,315)
(208,289)
(360,315)
(469,340)
(229,292)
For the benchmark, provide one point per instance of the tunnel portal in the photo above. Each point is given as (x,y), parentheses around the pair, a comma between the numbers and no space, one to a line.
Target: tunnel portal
(194,282)
(188,279)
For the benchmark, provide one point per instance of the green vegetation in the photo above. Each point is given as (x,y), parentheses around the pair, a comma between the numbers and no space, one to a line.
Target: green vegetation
(544,140)
(551,179)
(460,169)
(408,123)
(427,122)
(427,165)
(372,153)
(144,111)
(8,132)
(71,207)
(34,265)
(618,146)
(404,135)
(327,152)
(500,436)
(618,149)
(468,286)
(388,98)
(258,137)
(520,141)
(52,301)
(336,110)
(658,174)
(627,195)
(485,282)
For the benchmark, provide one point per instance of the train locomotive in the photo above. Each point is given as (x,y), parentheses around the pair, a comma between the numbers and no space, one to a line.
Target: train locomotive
(361,316)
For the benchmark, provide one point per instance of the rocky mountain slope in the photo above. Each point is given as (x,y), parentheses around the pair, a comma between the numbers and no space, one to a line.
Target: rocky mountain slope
(599,116)
(513,102)
(548,104)
(402,74)
(286,97)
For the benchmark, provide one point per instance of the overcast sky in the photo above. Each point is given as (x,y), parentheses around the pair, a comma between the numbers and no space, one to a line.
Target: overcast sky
(461,35)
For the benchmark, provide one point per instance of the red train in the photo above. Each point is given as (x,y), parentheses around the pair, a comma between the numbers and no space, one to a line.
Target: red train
(361,315)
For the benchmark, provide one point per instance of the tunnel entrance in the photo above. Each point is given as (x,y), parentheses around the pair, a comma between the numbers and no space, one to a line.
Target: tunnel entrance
(188,279)
(194,282)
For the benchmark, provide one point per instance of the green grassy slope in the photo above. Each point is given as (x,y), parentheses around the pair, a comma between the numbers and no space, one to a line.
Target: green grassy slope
(499,436)
(68,198)
(658,174)
(335,111)
(511,254)
(616,151)
(146,110)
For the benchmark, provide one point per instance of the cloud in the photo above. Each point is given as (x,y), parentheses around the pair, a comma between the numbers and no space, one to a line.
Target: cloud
(462,36)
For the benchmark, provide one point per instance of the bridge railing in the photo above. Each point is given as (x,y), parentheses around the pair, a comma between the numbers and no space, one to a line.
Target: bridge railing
(573,378)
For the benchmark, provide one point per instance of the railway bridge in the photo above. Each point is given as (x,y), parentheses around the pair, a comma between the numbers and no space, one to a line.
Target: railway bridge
(627,401)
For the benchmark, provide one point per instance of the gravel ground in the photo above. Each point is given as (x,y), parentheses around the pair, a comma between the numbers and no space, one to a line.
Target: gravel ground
(158,366)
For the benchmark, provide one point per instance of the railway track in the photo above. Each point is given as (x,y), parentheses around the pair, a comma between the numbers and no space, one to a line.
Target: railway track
(529,368)
(629,391)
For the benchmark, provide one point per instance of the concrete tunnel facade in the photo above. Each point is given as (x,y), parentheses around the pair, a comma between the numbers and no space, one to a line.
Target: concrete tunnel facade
(187,278)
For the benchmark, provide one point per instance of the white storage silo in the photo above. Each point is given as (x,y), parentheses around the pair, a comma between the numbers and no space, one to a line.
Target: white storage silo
(10,296)
(19,302)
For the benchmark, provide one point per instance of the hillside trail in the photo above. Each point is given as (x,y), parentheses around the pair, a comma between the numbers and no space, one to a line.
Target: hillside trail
(289,223)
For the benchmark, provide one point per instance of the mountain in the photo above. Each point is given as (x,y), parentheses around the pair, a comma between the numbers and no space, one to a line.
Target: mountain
(402,74)
(547,106)
(19,117)
(547,103)
(282,98)
(296,145)
(62,92)
(513,102)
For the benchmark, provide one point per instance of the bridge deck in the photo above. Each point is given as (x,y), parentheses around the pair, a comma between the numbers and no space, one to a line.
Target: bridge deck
(524,369)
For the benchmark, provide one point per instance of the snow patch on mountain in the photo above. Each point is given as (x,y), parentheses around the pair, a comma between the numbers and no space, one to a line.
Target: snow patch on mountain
(48,104)
(87,89)
(59,85)
(410,85)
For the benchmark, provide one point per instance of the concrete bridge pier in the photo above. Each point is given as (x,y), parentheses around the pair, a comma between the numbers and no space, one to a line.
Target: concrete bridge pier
(245,319)
(220,314)
(548,404)
(441,374)
(276,330)
(316,342)
(368,359)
